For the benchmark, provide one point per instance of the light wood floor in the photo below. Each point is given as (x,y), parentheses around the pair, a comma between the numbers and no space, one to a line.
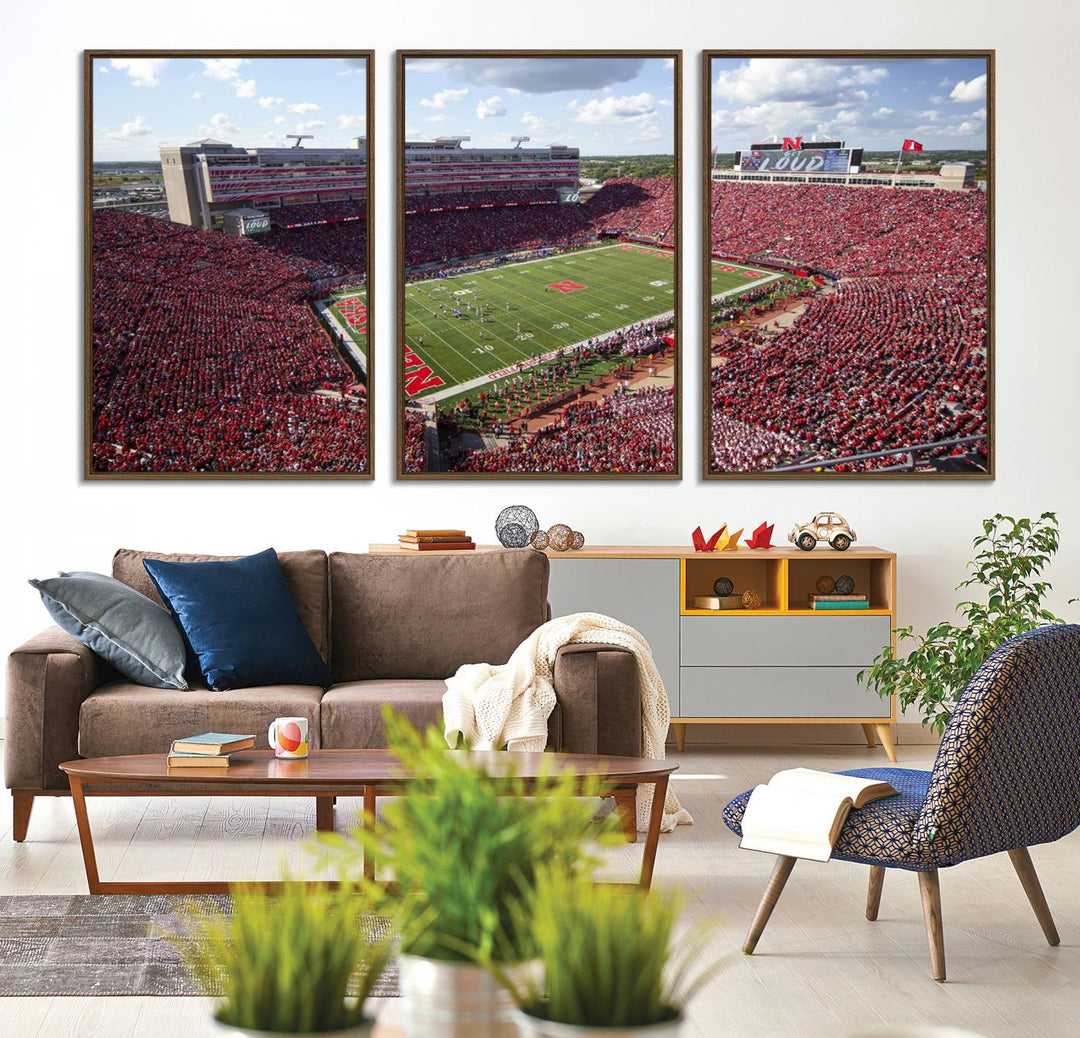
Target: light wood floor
(820,968)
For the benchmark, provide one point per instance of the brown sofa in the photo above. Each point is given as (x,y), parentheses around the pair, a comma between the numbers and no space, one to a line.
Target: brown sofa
(391,629)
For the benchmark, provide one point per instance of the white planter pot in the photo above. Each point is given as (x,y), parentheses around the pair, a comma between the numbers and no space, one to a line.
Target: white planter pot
(452,1000)
(534,1027)
(359,1031)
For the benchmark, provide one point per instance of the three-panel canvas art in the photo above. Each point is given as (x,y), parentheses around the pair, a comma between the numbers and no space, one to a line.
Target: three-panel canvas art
(846,298)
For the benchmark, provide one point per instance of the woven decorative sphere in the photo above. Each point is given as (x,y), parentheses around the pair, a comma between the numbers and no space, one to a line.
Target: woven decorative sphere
(540,540)
(825,585)
(723,586)
(560,537)
(845,585)
(577,542)
(515,526)
(751,599)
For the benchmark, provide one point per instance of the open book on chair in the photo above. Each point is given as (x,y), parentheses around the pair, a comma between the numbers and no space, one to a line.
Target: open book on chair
(800,812)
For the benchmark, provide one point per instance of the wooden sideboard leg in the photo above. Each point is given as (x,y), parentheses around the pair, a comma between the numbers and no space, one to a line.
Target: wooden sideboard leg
(884,732)
(871,740)
(781,871)
(1025,869)
(21,806)
(680,736)
(930,892)
(873,891)
(324,814)
(626,805)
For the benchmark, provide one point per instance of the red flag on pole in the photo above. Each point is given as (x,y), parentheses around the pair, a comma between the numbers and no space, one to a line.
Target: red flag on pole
(910,145)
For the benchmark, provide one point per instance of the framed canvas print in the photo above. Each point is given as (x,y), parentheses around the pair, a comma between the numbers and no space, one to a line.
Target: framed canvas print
(849,264)
(228,264)
(538,250)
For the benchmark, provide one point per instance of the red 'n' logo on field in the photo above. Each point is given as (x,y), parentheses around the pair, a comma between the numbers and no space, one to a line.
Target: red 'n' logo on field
(355,314)
(566,286)
(418,375)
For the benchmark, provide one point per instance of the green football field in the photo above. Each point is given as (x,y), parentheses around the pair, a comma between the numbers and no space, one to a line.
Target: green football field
(471,329)
(731,278)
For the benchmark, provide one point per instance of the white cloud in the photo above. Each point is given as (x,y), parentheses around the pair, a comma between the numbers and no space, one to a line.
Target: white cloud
(137,127)
(351,122)
(197,96)
(443,98)
(535,75)
(220,125)
(103,69)
(635,108)
(980,114)
(884,113)
(538,126)
(245,88)
(304,108)
(971,90)
(490,108)
(513,90)
(271,102)
(817,81)
(307,127)
(281,119)
(438,117)
(222,69)
(143,72)
(669,62)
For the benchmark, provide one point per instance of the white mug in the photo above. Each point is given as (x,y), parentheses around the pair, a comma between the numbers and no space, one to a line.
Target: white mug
(288,737)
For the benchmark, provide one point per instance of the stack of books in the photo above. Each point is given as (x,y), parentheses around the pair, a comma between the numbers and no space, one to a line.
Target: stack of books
(436,540)
(838,601)
(209,750)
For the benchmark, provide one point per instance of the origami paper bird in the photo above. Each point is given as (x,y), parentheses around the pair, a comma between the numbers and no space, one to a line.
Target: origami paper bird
(700,544)
(762,536)
(733,541)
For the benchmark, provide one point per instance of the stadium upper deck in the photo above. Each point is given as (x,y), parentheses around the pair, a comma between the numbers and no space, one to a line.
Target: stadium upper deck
(207,178)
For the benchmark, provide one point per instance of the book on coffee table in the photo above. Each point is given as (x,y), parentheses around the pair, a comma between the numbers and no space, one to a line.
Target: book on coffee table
(198,760)
(212,744)
(801,811)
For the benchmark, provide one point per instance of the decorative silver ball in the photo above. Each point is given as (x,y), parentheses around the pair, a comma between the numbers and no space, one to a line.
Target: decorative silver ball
(845,585)
(723,586)
(515,526)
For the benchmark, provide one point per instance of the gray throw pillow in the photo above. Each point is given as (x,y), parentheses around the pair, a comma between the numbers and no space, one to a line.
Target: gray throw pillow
(136,635)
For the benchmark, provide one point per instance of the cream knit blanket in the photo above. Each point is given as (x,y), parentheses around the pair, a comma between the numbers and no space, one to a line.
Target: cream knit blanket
(510,705)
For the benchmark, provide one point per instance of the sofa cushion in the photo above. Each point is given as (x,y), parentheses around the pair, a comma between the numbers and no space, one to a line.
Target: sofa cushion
(304,571)
(398,616)
(240,619)
(122,718)
(352,712)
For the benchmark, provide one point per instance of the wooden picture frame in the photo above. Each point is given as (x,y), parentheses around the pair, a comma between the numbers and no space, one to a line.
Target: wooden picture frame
(339,360)
(766,451)
(408,468)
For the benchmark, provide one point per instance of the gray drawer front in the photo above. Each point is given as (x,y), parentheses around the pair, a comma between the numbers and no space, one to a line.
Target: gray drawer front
(783,641)
(643,593)
(778,692)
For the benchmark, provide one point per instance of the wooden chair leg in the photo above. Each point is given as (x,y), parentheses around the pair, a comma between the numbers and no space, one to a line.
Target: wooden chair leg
(21,804)
(324,814)
(781,871)
(884,732)
(1021,860)
(680,736)
(626,806)
(873,892)
(871,739)
(931,905)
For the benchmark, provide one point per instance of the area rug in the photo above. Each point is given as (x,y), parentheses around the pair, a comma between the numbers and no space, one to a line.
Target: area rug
(109,944)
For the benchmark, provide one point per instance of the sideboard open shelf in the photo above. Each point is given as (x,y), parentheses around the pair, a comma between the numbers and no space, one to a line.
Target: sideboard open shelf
(781,663)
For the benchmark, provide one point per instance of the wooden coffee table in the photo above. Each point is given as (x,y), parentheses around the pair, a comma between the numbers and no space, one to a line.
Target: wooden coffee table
(327,774)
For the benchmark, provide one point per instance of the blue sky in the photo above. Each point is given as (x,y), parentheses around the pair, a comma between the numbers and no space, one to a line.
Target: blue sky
(875,104)
(604,106)
(141,104)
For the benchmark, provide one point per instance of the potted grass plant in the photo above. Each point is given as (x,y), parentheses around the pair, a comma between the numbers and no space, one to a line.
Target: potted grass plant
(465,849)
(606,963)
(298,962)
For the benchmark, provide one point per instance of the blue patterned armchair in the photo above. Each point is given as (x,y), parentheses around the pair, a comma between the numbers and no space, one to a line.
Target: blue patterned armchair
(1006,777)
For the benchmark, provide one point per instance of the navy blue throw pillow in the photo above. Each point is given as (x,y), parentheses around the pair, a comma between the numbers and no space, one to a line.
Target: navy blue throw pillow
(240,621)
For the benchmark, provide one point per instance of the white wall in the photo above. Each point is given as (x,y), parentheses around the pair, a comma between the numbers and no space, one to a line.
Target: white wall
(55,521)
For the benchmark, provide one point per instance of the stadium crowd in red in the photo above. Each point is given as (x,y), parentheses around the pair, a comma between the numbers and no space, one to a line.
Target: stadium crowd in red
(207,359)
(643,207)
(895,356)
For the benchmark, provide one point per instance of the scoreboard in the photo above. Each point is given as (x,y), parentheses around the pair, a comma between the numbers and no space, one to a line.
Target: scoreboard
(795,160)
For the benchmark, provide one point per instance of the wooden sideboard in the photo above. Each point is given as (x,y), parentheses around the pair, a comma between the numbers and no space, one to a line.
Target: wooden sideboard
(781,663)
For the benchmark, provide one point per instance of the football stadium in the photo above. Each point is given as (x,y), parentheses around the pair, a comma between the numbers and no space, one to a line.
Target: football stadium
(863,344)
(231,336)
(539,327)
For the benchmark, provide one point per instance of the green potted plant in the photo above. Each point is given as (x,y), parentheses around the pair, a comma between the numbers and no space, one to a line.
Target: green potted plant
(606,961)
(465,849)
(298,962)
(1010,556)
